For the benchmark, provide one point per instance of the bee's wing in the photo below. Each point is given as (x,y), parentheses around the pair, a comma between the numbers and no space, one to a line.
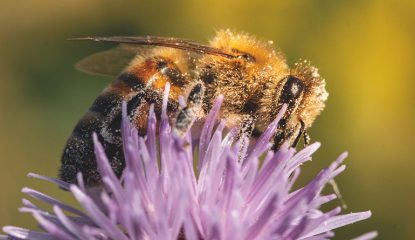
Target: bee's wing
(109,62)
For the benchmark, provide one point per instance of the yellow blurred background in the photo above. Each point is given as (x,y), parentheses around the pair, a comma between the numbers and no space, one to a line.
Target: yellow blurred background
(364,49)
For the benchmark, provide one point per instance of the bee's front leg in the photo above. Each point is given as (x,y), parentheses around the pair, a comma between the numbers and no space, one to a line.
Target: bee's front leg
(300,133)
(188,114)
(288,135)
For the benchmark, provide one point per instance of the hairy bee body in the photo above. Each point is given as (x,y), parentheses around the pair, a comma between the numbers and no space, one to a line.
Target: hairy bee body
(141,85)
(251,75)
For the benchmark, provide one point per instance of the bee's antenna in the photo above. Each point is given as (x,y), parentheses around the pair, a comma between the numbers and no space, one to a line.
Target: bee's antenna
(81,38)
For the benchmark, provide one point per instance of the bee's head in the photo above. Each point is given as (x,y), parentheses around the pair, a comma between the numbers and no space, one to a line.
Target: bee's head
(314,94)
(289,91)
(303,91)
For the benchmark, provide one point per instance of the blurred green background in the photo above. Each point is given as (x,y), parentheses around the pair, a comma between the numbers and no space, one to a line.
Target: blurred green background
(364,49)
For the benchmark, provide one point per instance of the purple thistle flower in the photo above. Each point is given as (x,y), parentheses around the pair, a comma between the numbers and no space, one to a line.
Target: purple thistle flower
(161,196)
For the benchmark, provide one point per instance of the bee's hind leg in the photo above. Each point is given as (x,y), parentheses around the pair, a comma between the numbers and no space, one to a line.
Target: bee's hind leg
(188,114)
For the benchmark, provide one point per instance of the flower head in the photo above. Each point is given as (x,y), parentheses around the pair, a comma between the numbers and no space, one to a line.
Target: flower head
(162,195)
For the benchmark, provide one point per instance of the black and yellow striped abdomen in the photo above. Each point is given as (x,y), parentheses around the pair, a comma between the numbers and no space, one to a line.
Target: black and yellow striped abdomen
(141,85)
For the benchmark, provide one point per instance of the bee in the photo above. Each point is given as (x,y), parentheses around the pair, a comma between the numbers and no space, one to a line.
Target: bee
(251,74)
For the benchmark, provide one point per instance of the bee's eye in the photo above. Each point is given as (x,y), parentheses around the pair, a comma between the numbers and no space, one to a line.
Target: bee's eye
(292,89)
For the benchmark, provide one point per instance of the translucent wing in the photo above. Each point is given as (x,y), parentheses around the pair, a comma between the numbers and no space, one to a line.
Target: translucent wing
(112,62)
(109,62)
(162,41)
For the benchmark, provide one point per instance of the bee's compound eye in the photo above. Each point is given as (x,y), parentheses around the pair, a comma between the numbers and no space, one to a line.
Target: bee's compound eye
(292,89)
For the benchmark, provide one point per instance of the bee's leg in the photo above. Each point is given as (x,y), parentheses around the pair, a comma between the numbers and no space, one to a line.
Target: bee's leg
(277,141)
(300,133)
(248,125)
(282,136)
(188,114)
(245,132)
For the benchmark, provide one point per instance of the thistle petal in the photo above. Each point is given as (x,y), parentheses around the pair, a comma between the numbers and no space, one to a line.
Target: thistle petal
(161,196)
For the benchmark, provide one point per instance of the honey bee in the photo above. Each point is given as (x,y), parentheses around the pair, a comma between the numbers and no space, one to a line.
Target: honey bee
(252,76)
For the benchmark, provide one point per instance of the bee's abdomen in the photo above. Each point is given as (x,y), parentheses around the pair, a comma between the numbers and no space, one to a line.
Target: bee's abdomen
(139,86)
(105,103)
(104,119)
